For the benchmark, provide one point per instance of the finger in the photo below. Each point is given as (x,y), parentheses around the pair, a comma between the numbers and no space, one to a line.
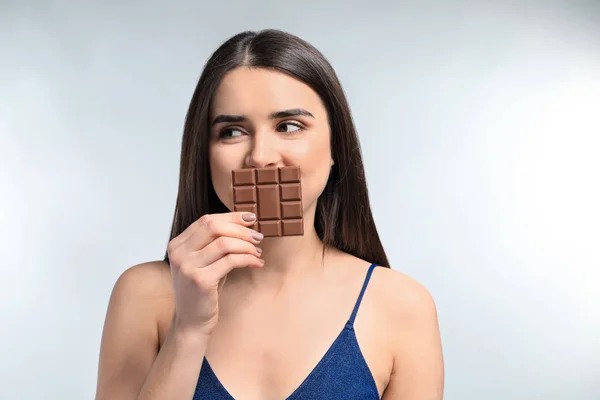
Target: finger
(215,229)
(223,246)
(239,218)
(224,265)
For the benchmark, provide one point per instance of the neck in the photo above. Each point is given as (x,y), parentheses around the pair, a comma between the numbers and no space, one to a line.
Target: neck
(287,259)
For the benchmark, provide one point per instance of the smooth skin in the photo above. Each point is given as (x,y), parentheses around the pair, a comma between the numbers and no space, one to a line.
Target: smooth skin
(263,311)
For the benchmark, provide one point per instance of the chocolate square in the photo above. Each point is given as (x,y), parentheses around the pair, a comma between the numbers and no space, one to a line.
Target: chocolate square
(274,195)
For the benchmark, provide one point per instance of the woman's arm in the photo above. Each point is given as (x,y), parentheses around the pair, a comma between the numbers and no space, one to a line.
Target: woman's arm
(130,365)
(418,372)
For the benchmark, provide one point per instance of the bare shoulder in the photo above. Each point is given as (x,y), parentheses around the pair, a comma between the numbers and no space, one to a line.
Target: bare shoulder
(147,291)
(401,296)
(150,279)
(130,335)
(136,295)
(397,329)
(411,318)
(394,294)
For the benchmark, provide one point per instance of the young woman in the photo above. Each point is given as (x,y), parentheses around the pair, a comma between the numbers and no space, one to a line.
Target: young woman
(230,314)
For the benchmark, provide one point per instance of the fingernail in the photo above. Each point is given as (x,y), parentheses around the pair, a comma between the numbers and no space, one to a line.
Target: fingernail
(257,236)
(248,217)
(259,250)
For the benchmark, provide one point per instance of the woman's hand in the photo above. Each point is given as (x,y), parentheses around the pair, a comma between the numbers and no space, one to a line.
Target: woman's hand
(200,259)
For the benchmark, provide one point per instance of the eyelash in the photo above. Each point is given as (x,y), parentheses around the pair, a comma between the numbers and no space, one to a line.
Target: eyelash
(222,133)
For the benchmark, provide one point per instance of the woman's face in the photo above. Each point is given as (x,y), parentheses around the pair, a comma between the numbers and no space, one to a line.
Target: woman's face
(262,118)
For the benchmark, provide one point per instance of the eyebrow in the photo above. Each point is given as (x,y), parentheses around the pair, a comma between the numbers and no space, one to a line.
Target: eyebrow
(274,115)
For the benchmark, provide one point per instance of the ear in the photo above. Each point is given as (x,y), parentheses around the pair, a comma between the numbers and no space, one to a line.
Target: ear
(332,162)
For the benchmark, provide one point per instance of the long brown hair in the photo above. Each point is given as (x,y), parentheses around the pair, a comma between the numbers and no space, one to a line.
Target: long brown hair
(343,216)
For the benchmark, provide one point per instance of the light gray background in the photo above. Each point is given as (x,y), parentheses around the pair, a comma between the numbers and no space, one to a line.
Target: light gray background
(480,126)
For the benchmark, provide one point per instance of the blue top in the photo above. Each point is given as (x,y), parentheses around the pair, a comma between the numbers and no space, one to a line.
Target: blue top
(341,374)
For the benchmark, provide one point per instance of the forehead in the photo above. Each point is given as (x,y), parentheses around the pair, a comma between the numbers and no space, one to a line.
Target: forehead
(258,91)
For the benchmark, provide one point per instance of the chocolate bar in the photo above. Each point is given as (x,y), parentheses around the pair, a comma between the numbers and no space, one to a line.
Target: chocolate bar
(274,195)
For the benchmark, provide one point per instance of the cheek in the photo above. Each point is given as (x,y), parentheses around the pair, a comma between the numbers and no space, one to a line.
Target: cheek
(316,167)
(314,181)
(220,173)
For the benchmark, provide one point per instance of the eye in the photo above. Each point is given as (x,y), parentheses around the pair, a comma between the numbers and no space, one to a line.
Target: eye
(290,127)
(229,133)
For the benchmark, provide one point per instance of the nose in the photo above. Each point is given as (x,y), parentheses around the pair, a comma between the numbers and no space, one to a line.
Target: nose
(262,153)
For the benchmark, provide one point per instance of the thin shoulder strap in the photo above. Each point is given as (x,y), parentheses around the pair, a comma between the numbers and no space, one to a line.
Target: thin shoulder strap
(360,296)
